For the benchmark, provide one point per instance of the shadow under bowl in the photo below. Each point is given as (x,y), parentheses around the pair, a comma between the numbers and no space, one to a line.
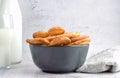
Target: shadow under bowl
(59,59)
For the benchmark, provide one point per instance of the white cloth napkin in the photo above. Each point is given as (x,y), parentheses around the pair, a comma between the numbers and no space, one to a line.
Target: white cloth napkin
(107,60)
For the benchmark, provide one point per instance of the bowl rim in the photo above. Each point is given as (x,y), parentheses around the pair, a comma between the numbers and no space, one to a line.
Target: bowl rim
(81,45)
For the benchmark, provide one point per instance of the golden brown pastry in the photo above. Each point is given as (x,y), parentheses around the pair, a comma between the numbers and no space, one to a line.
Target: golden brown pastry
(50,38)
(56,36)
(60,41)
(39,34)
(38,41)
(81,41)
(57,30)
(73,39)
(71,34)
(85,42)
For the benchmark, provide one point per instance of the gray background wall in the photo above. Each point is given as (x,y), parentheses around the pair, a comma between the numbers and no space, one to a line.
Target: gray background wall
(98,18)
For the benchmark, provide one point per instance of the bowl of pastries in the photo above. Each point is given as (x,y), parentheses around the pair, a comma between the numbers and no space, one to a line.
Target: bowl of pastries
(58,51)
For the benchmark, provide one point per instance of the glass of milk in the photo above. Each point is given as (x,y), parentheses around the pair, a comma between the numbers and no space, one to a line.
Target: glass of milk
(6,37)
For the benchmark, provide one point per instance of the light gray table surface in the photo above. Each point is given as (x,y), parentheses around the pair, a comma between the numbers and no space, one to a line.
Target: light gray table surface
(28,70)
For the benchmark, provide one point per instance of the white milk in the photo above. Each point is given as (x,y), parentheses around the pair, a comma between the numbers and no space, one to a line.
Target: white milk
(11,7)
(5,44)
(14,10)
(16,51)
(10,49)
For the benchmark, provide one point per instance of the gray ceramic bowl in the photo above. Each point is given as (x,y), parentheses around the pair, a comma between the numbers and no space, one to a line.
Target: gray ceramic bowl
(59,59)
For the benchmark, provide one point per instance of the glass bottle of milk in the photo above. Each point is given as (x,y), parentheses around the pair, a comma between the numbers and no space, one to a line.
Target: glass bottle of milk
(10,33)
(6,36)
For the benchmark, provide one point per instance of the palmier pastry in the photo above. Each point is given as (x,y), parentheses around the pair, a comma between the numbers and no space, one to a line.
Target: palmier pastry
(57,30)
(60,41)
(73,39)
(39,34)
(38,41)
(71,34)
(81,41)
(85,42)
(57,36)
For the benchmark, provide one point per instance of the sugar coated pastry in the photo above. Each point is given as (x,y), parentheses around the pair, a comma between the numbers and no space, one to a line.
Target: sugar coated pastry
(39,34)
(71,34)
(85,42)
(57,36)
(57,30)
(34,41)
(60,41)
(81,41)
(73,39)
(38,41)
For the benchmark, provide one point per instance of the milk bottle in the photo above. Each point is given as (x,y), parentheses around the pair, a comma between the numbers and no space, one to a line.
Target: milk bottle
(5,42)
(10,33)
